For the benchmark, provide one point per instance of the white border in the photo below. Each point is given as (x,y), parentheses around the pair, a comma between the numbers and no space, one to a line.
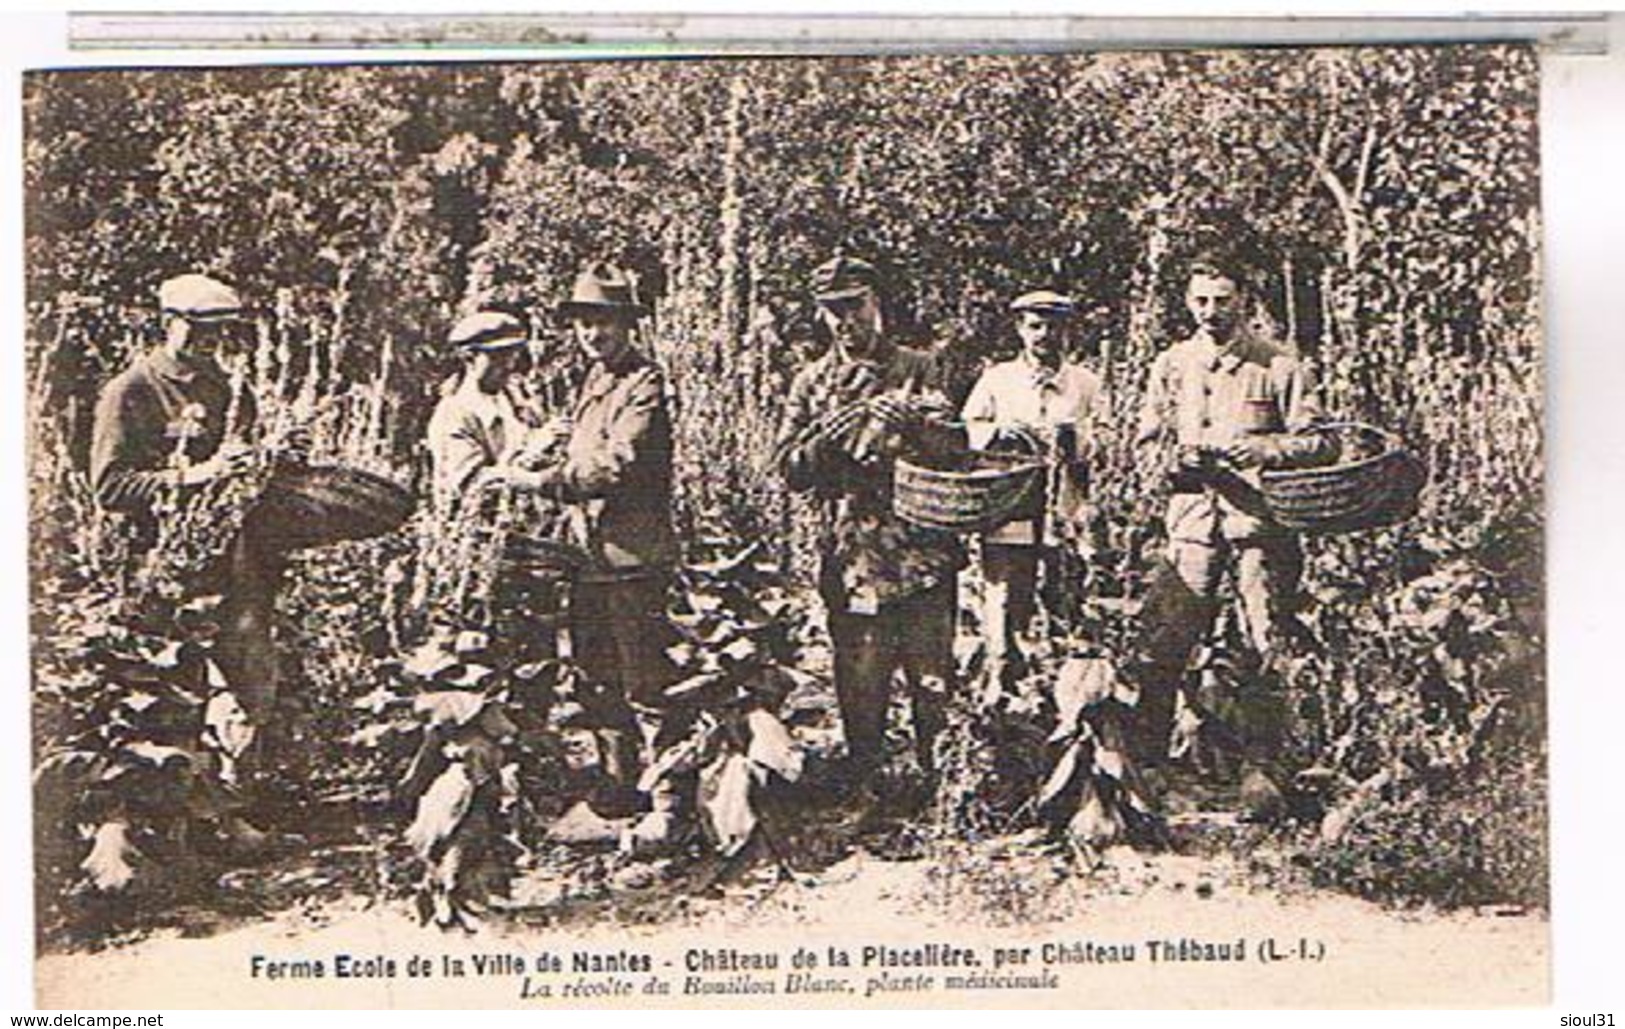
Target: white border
(1583,157)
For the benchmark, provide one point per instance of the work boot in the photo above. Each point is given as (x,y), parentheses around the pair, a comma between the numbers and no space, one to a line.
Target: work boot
(241,841)
(1262,800)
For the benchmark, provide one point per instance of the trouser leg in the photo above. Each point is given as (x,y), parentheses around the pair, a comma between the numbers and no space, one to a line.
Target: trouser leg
(1268,571)
(1059,582)
(863,669)
(1009,579)
(1267,578)
(247,613)
(1179,609)
(1009,576)
(924,627)
(599,627)
(250,575)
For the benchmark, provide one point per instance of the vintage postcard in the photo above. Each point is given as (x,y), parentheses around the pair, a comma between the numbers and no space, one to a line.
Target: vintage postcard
(956,531)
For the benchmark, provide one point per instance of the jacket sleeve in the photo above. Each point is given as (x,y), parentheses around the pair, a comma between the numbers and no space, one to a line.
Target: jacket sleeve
(460,452)
(934,434)
(1300,409)
(120,482)
(1093,419)
(980,413)
(633,432)
(1155,406)
(806,457)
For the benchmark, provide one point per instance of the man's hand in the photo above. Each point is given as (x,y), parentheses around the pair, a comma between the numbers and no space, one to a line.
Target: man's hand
(543,444)
(1249,454)
(838,429)
(508,475)
(230,460)
(1018,438)
(891,411)
(1192,459)
(295,445)
(555,432)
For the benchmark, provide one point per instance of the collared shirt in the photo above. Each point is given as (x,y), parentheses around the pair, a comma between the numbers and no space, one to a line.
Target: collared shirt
(870,557)
(1200,394)
(154,418)
(1021,393)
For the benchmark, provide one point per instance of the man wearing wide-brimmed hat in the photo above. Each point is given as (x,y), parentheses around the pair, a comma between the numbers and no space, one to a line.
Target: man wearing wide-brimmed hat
(1047,404)
(615,469)
(888,586)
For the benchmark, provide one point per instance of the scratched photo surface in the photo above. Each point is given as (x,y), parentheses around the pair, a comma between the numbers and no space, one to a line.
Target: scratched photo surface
(970,531)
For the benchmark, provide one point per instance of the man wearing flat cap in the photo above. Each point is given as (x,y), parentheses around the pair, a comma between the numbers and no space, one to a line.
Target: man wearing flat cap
(479,424)
(1044,404)
(888,586)
(168,426)
(161,423)
(614,468)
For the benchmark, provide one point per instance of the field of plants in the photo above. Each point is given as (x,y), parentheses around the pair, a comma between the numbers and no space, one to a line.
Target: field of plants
(1386,200)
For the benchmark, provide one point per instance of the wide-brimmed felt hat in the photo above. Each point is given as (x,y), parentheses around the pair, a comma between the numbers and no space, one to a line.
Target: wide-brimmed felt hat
(1046,302)
(602,287)
(488,330)
(844,278)
(199,298)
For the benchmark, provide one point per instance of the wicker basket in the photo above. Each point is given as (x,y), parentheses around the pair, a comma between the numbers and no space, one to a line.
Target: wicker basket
(1366,493)
(315,506)
(980,491)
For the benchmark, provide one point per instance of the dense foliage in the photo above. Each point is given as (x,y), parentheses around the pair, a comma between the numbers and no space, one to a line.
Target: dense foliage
(1386,200)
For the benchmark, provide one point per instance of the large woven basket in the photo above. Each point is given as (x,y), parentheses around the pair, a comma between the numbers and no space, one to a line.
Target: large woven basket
(1369,492)
(315,506)
(978,492)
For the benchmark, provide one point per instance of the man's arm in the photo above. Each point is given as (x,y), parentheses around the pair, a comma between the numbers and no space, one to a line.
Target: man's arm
(1093,416)
(1155,408)
(590,473)
(1298,446)
(116,472)
(980,412)
(806,453)
(460,453)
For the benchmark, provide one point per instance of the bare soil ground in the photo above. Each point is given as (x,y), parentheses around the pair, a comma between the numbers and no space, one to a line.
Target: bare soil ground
(336,894)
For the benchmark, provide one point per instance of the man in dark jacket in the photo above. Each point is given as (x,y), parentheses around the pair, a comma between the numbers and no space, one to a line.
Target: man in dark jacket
(615,470)
(161,422)
(169,426)
(888,586)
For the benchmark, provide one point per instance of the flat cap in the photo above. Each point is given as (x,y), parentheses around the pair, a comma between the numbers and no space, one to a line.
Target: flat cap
(488,330)
(844,278)
(199,298)
(1044,301)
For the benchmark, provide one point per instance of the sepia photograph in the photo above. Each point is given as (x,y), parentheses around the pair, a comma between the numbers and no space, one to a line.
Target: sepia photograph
(997,530)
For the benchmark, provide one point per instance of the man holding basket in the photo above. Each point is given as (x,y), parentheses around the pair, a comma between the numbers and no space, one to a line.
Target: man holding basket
(1041,404)
(1220,406)
(888,586)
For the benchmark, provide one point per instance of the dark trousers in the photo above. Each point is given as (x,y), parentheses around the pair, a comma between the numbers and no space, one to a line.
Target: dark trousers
(248,579)
(618,637)
(913,636)
(1016,577)
(1181,604)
